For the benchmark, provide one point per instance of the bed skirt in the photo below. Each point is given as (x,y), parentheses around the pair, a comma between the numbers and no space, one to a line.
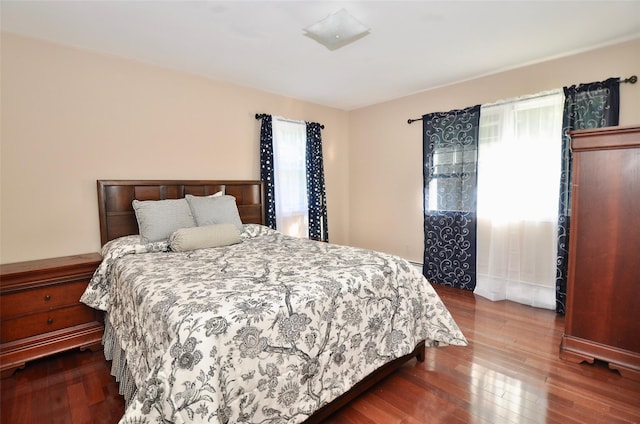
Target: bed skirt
(119,369)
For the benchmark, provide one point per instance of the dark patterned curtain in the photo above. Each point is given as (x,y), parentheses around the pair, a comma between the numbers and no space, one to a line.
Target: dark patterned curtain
(450,143)
(318,228)
(592,105)
(266,170)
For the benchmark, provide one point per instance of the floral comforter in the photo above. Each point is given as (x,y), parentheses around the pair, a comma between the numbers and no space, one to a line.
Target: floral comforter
(265,331)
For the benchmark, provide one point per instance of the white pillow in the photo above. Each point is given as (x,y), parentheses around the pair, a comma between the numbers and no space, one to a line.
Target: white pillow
(158,219)
(215,210)
(216,235)
(216,194)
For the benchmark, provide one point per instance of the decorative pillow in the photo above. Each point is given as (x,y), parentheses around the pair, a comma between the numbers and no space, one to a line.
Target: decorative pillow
(216,235)
(215,210)
(158,219)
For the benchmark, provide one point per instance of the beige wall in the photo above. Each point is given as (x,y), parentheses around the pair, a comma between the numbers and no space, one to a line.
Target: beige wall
(385,166)
(70,117)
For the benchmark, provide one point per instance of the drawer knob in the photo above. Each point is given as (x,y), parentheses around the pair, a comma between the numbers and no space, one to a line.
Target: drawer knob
(50,321)
(47,297)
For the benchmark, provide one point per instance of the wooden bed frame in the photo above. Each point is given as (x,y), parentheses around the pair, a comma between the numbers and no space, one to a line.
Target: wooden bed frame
(117,219)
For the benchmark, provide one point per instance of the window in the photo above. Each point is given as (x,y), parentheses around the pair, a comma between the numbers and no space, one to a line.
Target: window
(454,167)
(519,159)
(290,177)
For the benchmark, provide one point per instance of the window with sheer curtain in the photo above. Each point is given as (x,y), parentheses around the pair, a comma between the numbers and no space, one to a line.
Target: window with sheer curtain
(517,199)
(290,177)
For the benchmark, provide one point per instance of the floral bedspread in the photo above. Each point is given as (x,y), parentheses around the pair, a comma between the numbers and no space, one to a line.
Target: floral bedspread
(265,331)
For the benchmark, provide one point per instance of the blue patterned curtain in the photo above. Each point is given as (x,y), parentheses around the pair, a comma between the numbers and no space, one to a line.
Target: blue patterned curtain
(318,228)
(266,170)
(592,105)
(450,143)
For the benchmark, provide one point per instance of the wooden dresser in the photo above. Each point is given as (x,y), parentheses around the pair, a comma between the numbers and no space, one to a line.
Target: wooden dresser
(603,287)
(40,311)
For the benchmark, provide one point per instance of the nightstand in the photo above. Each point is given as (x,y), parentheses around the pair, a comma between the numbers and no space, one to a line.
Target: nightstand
(40,309)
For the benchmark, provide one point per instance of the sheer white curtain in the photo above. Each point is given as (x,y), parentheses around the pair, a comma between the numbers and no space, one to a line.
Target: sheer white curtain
(290,176)
(518,188)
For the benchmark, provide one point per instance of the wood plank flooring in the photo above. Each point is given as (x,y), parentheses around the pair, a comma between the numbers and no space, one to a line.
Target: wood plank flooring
(509,373)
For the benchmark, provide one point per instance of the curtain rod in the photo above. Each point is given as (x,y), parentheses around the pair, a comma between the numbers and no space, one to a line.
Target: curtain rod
(631,80)
(263,115)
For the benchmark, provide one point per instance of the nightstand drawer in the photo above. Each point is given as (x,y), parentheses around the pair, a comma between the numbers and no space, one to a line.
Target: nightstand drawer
(42,299)
(44,322)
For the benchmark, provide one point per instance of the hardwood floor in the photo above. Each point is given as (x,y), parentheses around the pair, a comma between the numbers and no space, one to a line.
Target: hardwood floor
(509,373)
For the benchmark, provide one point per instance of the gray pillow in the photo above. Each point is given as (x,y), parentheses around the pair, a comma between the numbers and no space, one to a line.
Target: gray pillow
(216,235)
(158,219)
(215,210)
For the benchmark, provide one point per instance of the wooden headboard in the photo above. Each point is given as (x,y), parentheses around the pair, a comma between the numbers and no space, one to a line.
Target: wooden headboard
(118,219)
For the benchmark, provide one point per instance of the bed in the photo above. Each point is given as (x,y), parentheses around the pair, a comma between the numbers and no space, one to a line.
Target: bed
(263,328)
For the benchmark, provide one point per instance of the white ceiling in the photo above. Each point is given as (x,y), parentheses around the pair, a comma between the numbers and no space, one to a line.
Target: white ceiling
(413,45)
